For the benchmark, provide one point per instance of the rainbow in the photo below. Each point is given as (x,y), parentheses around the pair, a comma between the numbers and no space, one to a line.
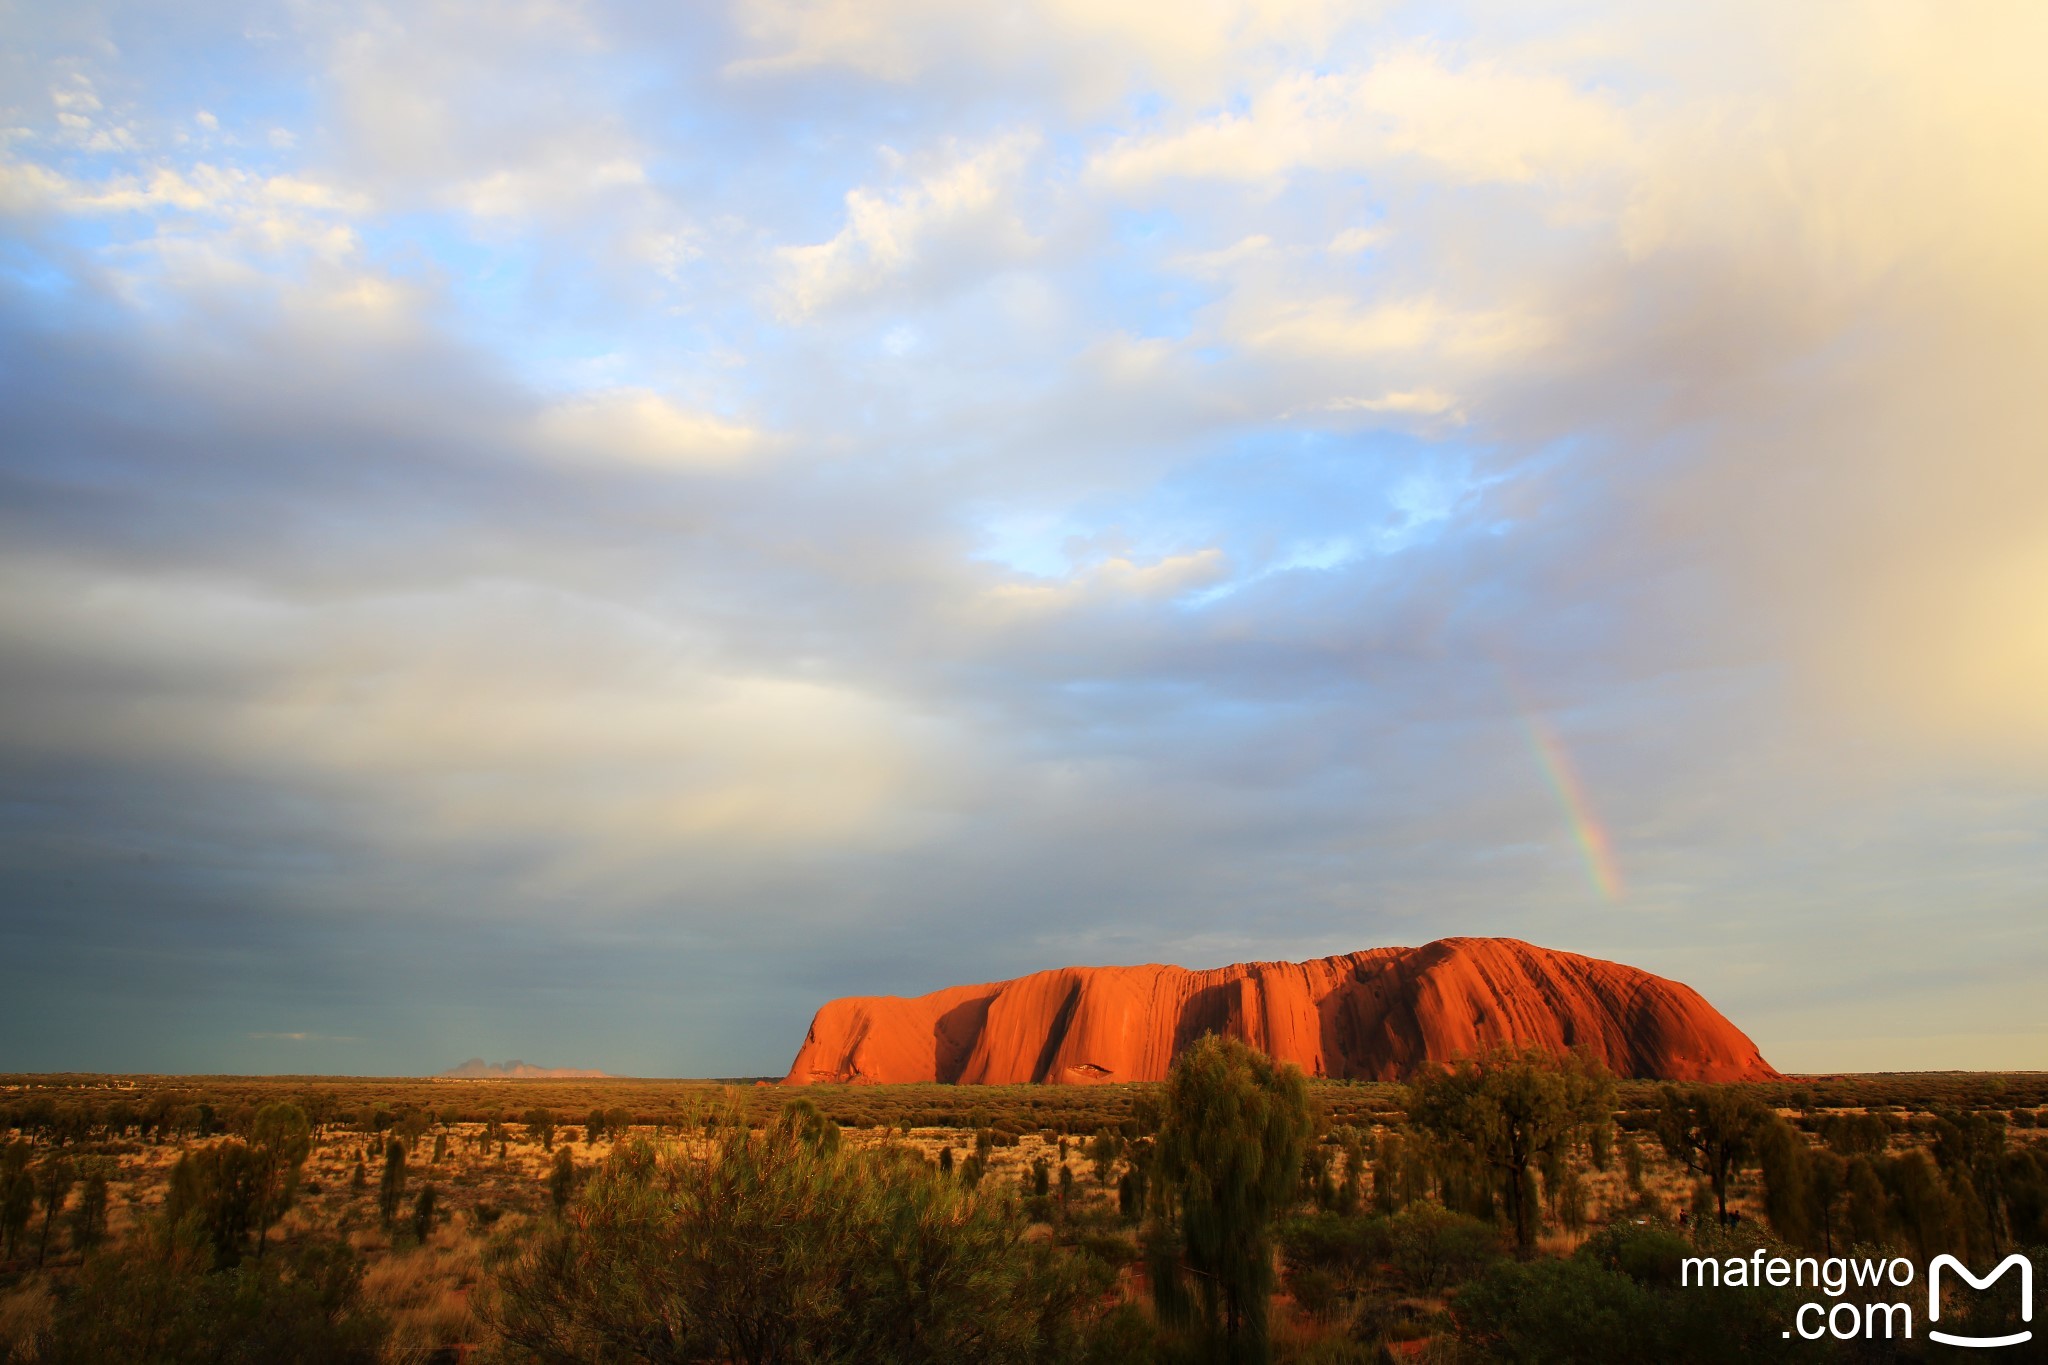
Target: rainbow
(1592,836)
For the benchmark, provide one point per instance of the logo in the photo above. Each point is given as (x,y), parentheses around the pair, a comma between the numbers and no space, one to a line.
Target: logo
(1934,1298)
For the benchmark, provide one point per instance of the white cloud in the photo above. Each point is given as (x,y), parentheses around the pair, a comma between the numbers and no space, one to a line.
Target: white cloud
(637,426)
(542,187)
(1087,52)
(1471,124)
(1407,402)
(959,214)
(1112,580)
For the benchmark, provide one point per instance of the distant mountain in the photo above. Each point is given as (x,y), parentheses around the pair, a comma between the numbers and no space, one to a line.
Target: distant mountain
(1380,1015)
(477,1069)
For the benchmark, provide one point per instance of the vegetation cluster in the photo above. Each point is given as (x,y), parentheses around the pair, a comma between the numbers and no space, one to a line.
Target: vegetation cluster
(1517,1206)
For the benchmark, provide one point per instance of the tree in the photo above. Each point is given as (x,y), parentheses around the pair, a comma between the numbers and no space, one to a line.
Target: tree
(540,1126)
(1102,1154)
(562,1179)
(217,1187)
(1132,1188)
(89,1217)
(54,1176)
(1713,1130)
(1789,1182)
(1351,1193)
(391,1189)
(281,1138)
(1509,1109)
(1228,1154)
(423,1212)
(17,1194)
(771,1246)
(1827,1181)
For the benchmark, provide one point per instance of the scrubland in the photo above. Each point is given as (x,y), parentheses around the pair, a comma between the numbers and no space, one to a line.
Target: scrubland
(1391,1239)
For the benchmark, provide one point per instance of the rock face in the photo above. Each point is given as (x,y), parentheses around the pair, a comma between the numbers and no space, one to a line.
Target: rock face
(1375,1015)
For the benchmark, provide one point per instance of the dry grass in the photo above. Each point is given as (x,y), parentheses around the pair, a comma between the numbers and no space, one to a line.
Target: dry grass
(424,1289)
(26,1312)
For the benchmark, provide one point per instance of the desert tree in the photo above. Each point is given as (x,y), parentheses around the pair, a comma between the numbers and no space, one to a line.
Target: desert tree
(423,1212)
(1132,1188)
(1713,1131)
(89,1215)
(412,1125)
(562,1179)
(281,1138)
(1788,1168)
(1508,1110)
(1227,1156)
(219,1189)
(1386,1174)
(391,1188)
(540,1126)
(1102,1154)
(1351,1193)
(17,1194)
(54,1176)
(1633,1166)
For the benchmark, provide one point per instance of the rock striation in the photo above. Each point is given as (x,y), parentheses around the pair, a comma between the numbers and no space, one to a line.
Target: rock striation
(1375,1015)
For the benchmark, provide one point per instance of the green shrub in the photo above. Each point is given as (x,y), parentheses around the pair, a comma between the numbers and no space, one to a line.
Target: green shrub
(158,1300)
(773,1246)
(1432,1248)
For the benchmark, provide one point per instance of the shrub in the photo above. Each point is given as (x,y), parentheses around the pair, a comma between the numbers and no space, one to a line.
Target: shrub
(157,1300)
(772,1245)
(1431,1247)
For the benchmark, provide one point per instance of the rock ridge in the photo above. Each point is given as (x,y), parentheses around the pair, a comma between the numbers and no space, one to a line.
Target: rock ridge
(1380,1014)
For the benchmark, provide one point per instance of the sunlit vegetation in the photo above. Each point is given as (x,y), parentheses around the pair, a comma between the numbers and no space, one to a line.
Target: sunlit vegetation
(1516,1207)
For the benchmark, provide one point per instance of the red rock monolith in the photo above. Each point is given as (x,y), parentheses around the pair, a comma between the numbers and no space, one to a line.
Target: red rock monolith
(1373,1015)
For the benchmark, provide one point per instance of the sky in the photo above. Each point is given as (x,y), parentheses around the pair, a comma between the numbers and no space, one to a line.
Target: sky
(579,531)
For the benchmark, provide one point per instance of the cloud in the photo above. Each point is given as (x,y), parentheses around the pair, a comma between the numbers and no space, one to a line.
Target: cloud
(957,219)
(1087,53)
(640,427)
(707,511)
(1115,578)
(1473,124)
